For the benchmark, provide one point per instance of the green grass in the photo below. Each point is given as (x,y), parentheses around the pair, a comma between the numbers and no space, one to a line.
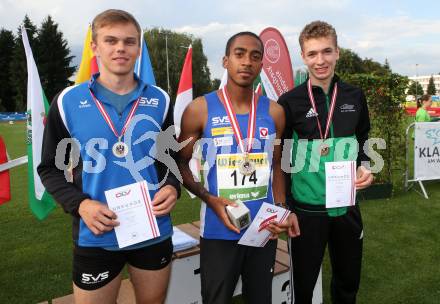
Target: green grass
(401,244)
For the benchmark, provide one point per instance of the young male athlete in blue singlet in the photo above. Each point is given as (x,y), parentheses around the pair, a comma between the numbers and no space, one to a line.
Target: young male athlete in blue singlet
(108,118)
(222,120)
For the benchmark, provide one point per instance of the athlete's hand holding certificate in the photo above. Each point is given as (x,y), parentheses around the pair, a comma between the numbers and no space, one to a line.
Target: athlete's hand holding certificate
(340,179)
(132,205)
(257,235)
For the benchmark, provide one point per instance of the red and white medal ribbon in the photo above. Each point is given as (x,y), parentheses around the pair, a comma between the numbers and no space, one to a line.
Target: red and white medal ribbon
(119,149)
(331,110)
(236,126)
(353,183)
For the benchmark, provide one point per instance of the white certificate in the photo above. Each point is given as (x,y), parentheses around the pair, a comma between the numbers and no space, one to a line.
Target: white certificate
(340,189)
(256,235)
(132,205)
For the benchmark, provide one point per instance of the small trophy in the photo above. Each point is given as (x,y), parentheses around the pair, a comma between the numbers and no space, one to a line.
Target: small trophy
(240,216)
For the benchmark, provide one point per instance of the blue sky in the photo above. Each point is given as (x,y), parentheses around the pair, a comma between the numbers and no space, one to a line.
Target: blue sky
(405,32)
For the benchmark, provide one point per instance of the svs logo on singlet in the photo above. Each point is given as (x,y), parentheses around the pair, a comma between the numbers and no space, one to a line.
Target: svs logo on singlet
(218,120)
(152,102)
(88,278)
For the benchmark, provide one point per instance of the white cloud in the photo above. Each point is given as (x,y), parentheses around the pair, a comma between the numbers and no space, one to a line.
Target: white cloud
(397,35)
(403,40)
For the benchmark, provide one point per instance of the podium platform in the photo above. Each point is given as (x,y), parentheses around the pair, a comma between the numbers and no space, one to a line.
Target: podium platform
(184,285)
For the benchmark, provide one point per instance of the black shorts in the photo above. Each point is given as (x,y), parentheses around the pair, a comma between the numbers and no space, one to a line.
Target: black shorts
(94,267)
(221,264)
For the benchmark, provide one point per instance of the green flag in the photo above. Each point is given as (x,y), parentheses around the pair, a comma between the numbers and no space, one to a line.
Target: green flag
(40,201)
(258,86)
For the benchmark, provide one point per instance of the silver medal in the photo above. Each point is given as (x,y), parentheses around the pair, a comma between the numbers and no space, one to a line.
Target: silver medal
(120,149)
(246,166)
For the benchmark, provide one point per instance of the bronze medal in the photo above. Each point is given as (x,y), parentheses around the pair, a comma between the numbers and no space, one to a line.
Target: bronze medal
(324,149)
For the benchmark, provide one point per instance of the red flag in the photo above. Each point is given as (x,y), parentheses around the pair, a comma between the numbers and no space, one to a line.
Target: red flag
(183,98)
(277,73)
(5,184)
(184,93)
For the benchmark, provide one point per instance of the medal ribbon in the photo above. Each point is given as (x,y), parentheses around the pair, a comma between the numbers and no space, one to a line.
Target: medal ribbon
(331,110)
(236,126)
(108,119)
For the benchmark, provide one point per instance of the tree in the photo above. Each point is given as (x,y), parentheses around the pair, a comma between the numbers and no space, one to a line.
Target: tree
(6,52)
(384,95)
(18,66)
(373,67)
(349,62)
(431,90)
(215,83)
(415,88)
(53,58)
(158,41)
(386,65)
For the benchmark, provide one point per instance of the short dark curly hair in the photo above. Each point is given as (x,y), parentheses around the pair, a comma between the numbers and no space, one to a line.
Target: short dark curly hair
(232,39)
(317,29)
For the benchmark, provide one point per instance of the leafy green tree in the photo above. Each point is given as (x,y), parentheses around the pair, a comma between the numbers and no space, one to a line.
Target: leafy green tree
(159,41)
(386,65)
(349,62)
(7,44)
(53,58)
(18,66)
(431,90)
(415,88)
(384,94)
(215,83)
(373,67)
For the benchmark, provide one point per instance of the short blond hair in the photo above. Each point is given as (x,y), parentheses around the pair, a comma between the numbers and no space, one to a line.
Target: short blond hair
(317,29)
(111,17)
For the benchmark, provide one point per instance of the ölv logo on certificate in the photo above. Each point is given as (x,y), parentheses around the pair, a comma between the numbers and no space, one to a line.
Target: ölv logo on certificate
(132,205)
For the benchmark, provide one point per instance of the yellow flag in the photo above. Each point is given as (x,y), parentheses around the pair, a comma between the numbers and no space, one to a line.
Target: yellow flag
(88,65)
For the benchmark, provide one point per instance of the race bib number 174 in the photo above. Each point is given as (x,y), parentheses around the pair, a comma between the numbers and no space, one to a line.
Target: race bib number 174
(235,186)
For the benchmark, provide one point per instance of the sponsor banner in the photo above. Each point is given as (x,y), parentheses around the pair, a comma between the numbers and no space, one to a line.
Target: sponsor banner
(247,194)
(277,73)
(5,116)
(222,131)
(427,151)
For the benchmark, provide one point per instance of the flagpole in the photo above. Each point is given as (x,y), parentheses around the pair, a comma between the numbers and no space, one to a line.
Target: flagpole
(168,73)
(140,56)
